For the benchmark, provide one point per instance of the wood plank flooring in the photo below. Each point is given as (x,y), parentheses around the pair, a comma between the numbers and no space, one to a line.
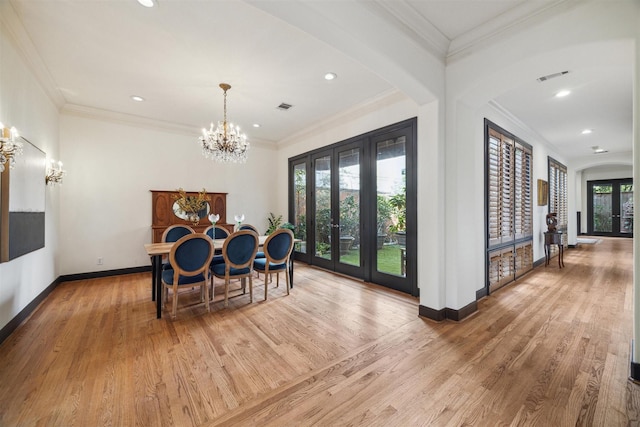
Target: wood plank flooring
(551,349)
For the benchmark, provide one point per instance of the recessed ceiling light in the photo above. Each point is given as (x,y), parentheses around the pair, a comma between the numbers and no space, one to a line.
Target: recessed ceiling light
(563,93)
(147,3)
(256,125)
(330,76)
(587,131)
(137,98)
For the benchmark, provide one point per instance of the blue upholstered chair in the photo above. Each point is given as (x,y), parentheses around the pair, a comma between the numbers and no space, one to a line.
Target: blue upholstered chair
(239,251)
(173,234)
(277,250)
(249,227)
(216,232)
(190,258)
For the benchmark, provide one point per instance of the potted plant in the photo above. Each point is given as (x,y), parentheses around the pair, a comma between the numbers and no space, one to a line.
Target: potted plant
(274,223)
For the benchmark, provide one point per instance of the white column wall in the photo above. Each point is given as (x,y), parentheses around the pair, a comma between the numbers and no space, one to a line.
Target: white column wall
(25,105)
(111,168)
(636,194)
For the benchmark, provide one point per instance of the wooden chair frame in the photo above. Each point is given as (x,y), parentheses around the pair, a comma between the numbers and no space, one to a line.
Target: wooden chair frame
(179,271)
(228,265)
(269,259)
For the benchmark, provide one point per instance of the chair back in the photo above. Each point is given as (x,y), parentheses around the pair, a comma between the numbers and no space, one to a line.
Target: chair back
(175,232)
(191,255)
(278,246)
(240,248)
(249,227)
(216,232)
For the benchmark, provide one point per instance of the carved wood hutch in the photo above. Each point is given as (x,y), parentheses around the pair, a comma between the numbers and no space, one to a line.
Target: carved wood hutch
(163,216)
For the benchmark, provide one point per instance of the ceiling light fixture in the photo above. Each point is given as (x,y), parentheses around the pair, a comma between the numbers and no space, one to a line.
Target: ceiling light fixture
(587,131)
(137,98)
(147,3)
(256,125)
(330,76)
(10,147)
(563,93)
(226,143)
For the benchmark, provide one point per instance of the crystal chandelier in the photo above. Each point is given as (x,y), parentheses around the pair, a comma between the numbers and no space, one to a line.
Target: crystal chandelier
(10,147)
(225,143)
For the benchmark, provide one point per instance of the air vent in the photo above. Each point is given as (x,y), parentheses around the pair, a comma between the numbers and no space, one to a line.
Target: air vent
(551,76)
(284,106)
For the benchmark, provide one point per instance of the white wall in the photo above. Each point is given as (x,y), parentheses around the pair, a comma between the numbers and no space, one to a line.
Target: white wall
(111,168)
(24,104)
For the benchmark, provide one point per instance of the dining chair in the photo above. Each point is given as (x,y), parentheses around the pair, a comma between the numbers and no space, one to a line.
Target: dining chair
(249,227)
(277,250)
(190,258)
(174,233)
(239,251)
(216,232)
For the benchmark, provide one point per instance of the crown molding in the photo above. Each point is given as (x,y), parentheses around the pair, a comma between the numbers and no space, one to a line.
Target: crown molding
(21,40)
(386,98)
(513,20)
(408,20)
(144,122)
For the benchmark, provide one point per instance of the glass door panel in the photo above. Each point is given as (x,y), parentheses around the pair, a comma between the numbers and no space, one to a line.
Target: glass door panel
(626,209)
(602,208)
(391,206)
(322,207)
(349,206)
(300,206)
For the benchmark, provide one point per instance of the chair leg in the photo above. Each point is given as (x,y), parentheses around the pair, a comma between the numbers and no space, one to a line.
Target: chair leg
(226,292)
(266,281)
(174,309)
(286,277)
(250,288)
(205,288)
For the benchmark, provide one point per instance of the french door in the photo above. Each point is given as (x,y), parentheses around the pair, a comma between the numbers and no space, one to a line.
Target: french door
(337,214)
(610,207)
(353,205)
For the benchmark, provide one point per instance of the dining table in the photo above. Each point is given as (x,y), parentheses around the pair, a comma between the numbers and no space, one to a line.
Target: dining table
(158,250)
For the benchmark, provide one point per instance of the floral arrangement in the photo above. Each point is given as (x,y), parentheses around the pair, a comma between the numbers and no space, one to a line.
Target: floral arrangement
(192,205)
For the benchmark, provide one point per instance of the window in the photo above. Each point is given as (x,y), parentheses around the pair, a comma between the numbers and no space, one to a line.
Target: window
(558,197)
(509,226)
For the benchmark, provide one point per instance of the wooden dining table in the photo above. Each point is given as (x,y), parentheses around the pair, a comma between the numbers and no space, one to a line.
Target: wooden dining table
(157,250)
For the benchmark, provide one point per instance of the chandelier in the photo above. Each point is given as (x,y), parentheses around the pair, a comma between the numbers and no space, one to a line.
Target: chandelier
(10,147)
(225,143)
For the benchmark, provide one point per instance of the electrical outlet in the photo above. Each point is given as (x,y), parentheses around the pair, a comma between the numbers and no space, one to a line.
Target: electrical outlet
(100,261)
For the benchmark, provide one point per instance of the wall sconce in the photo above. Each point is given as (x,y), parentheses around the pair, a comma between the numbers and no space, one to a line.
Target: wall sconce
(10,147)
(54,173)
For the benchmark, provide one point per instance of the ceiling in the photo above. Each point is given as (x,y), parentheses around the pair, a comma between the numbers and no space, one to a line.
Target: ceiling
(98,53)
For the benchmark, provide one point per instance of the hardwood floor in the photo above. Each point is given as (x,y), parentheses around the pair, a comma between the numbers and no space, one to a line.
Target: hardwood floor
(551,349)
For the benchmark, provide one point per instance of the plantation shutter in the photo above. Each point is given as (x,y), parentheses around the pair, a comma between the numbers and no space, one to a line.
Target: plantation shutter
(558,197)
(508,207)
